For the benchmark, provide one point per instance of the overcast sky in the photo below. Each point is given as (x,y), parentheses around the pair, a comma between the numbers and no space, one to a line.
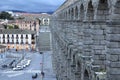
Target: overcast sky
(30,5)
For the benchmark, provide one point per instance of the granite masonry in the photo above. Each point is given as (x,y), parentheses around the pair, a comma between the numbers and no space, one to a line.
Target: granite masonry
(86,40)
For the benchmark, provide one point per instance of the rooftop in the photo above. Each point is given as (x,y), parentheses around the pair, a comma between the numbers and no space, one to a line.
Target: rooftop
(1,46)
(16,31)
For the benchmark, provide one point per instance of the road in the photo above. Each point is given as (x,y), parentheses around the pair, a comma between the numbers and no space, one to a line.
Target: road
(35,67)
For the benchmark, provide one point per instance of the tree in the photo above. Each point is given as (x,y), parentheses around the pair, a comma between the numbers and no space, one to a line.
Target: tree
(16,27)
(10,27)
(6,15)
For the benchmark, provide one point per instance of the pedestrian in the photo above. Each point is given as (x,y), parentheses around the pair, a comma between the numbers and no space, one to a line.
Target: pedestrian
(42,73)
(36,75)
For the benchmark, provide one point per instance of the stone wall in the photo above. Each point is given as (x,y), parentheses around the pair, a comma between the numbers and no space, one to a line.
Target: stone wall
(86,40)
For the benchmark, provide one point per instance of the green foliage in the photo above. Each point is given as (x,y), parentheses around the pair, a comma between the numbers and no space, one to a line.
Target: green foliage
(16,27)
(6,15)
(10,27)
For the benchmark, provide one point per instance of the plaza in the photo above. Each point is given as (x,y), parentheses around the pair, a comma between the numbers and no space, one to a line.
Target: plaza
(34,67)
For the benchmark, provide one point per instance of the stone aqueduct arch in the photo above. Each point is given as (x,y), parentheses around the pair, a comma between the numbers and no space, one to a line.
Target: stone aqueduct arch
(94,10)
(80,9)
(73,12)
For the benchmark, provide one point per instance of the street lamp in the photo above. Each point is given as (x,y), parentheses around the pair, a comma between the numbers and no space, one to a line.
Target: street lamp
(42,64)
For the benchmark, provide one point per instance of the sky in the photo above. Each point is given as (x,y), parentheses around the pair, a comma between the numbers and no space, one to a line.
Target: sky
(30,5)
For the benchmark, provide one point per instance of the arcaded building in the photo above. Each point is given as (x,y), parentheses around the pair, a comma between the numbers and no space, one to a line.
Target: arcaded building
(18,39)
(86,40)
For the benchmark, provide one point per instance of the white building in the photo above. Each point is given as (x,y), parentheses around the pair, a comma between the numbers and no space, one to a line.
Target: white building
(2,51)
(18,39)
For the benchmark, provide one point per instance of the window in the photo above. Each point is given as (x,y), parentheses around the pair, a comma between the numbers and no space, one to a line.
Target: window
(26,36)
(21,36)
(3,36)
(33,36)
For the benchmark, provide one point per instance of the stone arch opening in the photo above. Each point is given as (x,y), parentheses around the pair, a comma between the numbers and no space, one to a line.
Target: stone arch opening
(69,53)
(66,14)
(72,13)
(86,75)
(117,10)
(90,11)
(103,10)
(69,14)
(74,62)
(117,7)
(81,12)
(76,12)
(78,67)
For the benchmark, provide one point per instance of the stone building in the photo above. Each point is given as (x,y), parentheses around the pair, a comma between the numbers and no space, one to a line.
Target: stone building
(32,22)
(86,40)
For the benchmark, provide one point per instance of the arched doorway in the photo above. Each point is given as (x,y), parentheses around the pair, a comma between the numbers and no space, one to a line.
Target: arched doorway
(86,75)
(76,12)
(72,13)
(69,14)
(78,67)
(103,10)
(81,12)
(90,11)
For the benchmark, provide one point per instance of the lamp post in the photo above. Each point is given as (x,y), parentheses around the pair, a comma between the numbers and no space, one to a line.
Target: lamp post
(42,65)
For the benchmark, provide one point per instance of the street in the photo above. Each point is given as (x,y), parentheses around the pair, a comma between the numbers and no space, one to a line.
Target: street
(34,67)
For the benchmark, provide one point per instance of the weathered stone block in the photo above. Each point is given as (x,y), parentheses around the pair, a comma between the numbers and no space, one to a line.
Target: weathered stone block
(96,57)
(97,52)
(113,37)
(99,47)
(114,45)
(115,64)
(102,57)
(98,37)
(113,51)
(97,32)
(114,71)
(114,58)
(99,62)
(89,41)
(114,77)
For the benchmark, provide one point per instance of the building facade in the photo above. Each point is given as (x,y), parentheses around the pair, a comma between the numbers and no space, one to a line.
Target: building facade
(32,22)
(86,40)
(18,39)
(2,51)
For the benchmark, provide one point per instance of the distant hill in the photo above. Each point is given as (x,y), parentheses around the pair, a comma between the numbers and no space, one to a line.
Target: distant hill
(50,12)
(41,12)
(18,11)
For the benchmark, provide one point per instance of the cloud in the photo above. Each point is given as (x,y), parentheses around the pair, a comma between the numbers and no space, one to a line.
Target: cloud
(31,5)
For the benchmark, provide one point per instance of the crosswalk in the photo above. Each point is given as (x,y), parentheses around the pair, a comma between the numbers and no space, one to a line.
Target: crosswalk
(18,73)
(23,71)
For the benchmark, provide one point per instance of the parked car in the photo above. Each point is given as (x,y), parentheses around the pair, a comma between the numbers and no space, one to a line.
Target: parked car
(17,68)
(4,66)
(28,62)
